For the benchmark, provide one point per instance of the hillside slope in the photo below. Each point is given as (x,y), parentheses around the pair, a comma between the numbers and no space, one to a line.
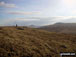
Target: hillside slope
(28,42)
(61,28)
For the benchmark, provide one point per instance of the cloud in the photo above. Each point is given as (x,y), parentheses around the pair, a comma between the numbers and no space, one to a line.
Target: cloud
(39,21)
(25,19)
(70,2)
(20,20)
(6,5)
(73,12)
(22,13)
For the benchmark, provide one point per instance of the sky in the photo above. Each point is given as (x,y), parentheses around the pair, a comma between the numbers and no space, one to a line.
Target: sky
(37,12)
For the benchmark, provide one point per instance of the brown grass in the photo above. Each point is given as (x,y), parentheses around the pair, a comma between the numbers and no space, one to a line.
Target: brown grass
(29,42)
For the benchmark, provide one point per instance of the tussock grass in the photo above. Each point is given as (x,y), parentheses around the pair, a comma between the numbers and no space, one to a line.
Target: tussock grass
(29,42)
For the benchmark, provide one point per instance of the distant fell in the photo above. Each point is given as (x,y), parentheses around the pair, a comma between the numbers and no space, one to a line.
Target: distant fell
(61,28)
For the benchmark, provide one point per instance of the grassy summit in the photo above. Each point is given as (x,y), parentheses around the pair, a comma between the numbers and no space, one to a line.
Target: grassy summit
(29,42)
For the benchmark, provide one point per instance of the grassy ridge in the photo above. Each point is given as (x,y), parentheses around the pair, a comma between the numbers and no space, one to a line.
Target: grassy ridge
(29,42)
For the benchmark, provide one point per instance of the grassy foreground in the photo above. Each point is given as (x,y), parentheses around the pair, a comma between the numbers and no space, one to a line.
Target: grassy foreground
(29,42)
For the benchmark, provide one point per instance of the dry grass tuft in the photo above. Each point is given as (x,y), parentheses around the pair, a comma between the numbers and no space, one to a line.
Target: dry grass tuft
(29,42)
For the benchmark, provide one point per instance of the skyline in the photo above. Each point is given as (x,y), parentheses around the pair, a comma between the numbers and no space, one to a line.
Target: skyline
(38,12)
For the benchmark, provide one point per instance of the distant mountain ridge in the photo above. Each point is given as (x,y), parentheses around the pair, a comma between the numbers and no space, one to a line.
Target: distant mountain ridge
(33,26)
(61,28)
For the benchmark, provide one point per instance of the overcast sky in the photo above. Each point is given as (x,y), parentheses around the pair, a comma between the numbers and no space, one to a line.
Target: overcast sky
(37,12)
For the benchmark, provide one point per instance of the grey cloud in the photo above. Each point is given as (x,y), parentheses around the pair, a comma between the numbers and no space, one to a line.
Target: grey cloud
(7,5)
(39,21)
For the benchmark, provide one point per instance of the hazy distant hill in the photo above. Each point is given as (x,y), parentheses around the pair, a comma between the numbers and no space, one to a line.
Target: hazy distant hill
(29,42)
(33,26)
(61,27)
